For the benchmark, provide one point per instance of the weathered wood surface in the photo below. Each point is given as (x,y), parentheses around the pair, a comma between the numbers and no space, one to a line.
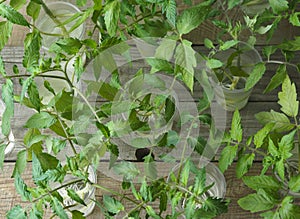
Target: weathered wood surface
(235,190)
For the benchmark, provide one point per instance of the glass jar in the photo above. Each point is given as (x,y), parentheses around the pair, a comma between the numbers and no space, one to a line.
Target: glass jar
(232,98)
(85,191)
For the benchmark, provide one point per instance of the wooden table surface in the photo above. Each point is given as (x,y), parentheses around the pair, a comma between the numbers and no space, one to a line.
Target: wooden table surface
(12,55)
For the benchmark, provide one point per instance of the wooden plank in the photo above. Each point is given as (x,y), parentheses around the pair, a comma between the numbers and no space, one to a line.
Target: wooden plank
(235,190)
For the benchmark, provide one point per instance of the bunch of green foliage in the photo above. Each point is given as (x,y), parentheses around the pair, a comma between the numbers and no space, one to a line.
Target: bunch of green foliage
(63,121)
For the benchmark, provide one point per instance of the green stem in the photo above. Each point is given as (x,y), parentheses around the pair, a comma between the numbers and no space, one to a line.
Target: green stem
(88,104)
(141,19)
(115,193)
(184,149)
(281,63)
(65,132)
(56,189)
(53,17)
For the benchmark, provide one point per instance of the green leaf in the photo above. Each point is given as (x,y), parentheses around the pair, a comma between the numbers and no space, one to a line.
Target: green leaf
(185,59)
(33,10)
(280,120)
(32,45)
(215,205)
(233,3)
(279,6)
(255,75)
(83,17)
(2,155)
(236,131)
(154,81)
(288,98)
(280,169)
(150,167)
(104,129)
(16,213)
(159,65)
(169,7)
(294,183)
(36,213)
(166,49)
(79,67)
(107,91)
(199,183)
(227,156)
(34,97)
(260,136)
(6,31)
(21,188)
(21,163)
(277,79)
(69,45)
(228,44)
(37,170)
(17,4)
(55,175)
(294,19)
(73,195)
(184,175)
(47,161)
(111,17)
(244,163)
(58,208)
(77,215)
(262,182)
(7,96)
(290,45)
(55,145)
(288,209)
(112,205)
(127,169)
(2,68)
(256,202)
(12,15)
(192,17)
(140,142)
(214,63)
(40,120)
(150,211)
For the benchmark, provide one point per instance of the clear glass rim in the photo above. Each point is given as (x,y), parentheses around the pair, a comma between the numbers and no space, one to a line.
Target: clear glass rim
(68,4)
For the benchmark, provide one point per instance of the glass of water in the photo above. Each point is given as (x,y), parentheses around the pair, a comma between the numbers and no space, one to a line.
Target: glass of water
(50,28)
(84,190)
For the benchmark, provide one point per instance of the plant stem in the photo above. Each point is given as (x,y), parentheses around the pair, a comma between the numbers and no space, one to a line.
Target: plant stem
(184,149)
(115,193)
(141,19)
(56,189)
(281,63)
(65,132)
(53,17)
(88,104)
